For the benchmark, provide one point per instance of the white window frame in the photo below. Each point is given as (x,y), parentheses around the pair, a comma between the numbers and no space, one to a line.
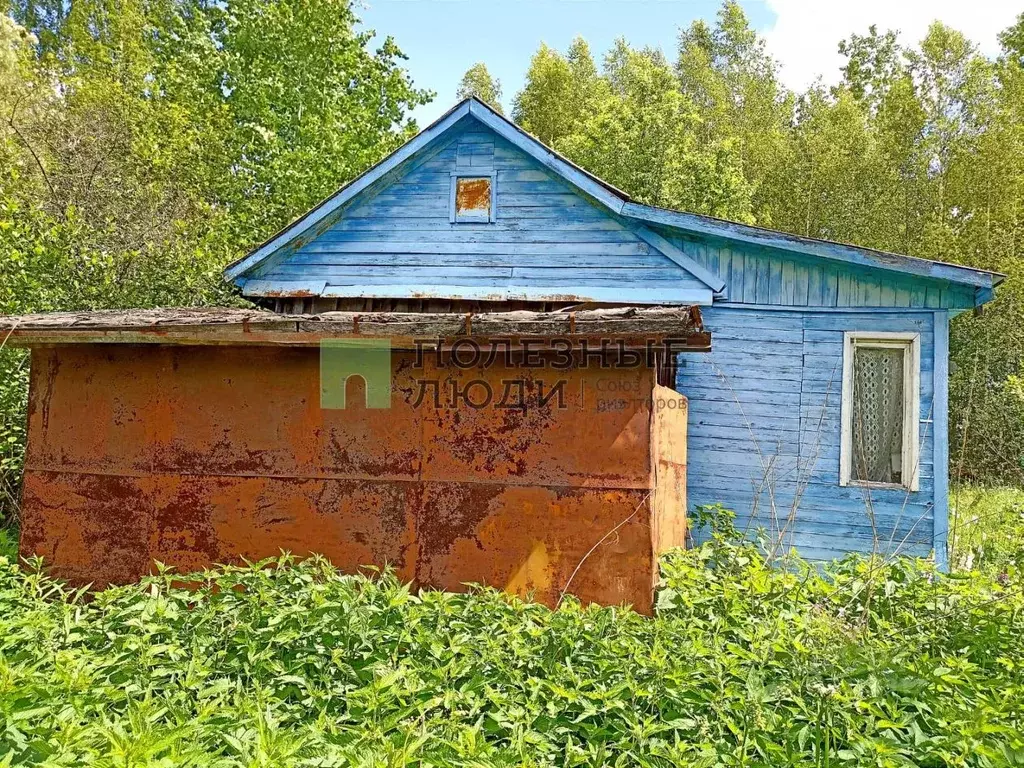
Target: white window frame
(473,218)
(911,343)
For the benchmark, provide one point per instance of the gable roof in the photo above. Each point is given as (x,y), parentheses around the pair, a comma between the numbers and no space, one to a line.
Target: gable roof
(644,218)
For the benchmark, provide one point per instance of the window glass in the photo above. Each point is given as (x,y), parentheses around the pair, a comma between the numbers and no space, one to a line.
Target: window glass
(878,412)
(473,198)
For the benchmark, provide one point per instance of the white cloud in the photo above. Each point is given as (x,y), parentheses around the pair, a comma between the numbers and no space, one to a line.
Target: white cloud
(806,33)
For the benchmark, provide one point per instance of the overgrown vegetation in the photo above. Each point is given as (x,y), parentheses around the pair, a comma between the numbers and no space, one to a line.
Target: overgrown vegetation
(284,663)
(986,529)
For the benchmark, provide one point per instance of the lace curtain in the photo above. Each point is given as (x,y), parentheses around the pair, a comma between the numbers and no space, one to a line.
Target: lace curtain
(877,414)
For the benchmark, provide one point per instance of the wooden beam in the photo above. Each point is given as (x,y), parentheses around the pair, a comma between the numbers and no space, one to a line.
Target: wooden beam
(940,440)
(632,325)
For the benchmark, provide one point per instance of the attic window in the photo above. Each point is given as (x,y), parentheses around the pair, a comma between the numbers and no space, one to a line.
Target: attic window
(880,410)
(472,198)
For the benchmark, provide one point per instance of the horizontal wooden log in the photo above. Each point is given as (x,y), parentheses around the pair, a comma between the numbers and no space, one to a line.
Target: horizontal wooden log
(239,326)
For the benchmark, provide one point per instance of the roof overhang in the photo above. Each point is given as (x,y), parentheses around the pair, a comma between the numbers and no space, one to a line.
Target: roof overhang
(632,327)
(981,279)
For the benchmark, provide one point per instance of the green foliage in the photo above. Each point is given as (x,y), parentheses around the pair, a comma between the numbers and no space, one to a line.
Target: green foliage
(986,529)
(917,150)
(286,663)
(143,145)
(478,82)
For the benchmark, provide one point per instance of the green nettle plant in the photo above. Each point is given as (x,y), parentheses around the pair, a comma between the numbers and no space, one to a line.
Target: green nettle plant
(286,663)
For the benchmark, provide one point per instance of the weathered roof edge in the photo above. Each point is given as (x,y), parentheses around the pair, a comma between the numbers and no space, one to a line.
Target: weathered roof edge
(620,203)
(829,249)
(244,326)
(601,191)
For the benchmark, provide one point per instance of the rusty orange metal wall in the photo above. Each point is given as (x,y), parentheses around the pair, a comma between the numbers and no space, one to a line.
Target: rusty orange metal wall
(197,455)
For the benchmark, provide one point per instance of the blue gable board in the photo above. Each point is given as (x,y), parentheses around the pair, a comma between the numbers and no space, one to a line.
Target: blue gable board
(549,241)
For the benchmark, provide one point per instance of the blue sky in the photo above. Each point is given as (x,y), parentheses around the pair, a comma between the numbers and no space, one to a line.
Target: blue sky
(443,38)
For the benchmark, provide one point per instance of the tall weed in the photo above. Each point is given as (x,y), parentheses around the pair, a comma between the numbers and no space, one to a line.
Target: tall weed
(288,663)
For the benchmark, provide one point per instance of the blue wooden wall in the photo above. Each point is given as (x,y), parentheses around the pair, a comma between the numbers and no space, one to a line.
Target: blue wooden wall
(764,431)
(549,241)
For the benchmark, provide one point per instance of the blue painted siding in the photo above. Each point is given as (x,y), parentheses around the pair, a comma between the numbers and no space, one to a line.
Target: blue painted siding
(763,276)
(764,430)
(549,241)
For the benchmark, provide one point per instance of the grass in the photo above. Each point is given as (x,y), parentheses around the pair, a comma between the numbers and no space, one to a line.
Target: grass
(987,528)
(285,663)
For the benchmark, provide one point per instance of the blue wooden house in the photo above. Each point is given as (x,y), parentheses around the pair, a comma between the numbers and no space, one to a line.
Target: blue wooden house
(819,416)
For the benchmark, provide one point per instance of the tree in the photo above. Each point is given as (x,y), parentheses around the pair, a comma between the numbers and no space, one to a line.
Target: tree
(478,82)
(146,143)
(542,106)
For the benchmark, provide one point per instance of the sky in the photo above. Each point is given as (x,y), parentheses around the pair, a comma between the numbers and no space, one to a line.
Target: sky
(443,38)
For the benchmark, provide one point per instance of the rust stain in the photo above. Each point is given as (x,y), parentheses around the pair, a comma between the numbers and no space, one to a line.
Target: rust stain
(472,195)
(198,455)
(301,293)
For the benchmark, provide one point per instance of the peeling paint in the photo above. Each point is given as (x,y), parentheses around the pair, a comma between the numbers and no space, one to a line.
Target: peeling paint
(198,455)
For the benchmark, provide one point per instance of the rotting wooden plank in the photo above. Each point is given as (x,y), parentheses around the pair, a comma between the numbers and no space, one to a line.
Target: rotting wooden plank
(262,327)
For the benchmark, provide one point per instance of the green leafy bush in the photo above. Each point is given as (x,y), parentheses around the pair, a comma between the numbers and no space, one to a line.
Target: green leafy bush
(986,528)
(292,663)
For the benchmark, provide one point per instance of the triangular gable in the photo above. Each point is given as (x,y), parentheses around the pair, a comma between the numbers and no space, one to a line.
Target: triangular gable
(389,233)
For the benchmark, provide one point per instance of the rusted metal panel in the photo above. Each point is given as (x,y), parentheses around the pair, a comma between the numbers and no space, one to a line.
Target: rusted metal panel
(214,411)
(668,462)
(576,445)
(473,195)
(197,455)
(529,540)
(105,529)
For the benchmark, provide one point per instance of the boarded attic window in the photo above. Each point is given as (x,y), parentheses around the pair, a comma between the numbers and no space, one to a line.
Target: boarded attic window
(472,198)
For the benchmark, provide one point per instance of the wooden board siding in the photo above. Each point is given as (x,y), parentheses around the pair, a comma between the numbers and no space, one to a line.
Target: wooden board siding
(548,240)
(764,431)
(764,276)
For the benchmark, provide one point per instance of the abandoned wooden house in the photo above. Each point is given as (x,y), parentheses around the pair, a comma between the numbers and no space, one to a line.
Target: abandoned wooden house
(815,375)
